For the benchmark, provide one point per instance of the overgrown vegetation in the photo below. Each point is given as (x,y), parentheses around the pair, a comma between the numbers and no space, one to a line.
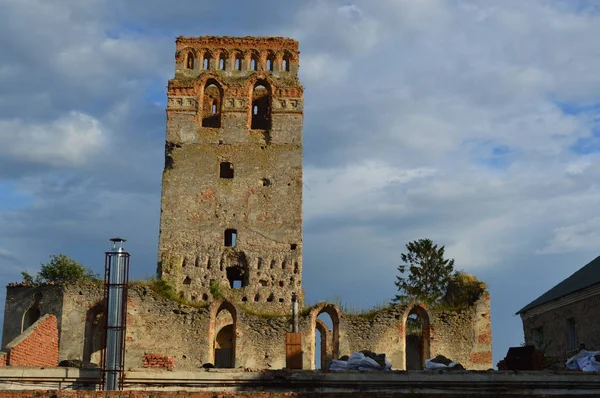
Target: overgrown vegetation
(215,290)
(61,269)
(463,290)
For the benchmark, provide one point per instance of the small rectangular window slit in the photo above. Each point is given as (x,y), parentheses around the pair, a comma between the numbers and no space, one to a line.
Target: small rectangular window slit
(226,170)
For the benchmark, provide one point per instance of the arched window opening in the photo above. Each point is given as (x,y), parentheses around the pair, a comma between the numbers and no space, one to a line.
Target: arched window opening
(211,105)
(417,339)
(224,340)
(270,63)
(30,317)
(238,62)
(226,170)
(261,108)
(206,62)
(285,64)
(190,60)
(222,62)
(253,64)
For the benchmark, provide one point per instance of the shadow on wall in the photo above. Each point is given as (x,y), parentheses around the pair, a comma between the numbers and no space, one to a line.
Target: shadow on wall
(92,343)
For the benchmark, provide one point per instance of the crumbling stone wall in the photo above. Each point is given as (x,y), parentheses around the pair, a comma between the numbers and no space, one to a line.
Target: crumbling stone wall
(462,335)
(158,325)
(554,322)
(231,215)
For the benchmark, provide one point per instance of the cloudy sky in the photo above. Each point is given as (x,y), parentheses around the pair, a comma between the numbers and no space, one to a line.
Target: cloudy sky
(473,123)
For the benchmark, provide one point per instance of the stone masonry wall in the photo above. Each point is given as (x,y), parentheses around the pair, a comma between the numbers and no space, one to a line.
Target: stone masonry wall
(209,122)
(158,325)
(553,324)
(37,346)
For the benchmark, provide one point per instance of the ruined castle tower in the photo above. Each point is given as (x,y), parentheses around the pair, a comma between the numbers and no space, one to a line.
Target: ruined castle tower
(231,214)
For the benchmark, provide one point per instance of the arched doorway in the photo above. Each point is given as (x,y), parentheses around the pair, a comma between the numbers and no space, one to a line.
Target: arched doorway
(325,321)
(224,336)
(322,344)
(416,329)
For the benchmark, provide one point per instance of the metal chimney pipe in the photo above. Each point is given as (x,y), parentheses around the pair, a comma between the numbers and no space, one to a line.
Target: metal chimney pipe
(116,277)
(295,313)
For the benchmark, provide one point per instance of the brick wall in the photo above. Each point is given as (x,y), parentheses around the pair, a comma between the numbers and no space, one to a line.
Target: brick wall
(36,346)
(158,361)
(3,358)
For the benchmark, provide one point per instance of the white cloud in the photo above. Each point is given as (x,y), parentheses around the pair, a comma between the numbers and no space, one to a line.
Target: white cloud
(67,141)
(354,189)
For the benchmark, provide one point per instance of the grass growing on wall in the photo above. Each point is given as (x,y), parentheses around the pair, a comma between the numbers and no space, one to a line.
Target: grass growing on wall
(167,291)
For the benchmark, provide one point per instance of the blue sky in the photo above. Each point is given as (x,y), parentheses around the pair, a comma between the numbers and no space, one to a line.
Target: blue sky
(473,124)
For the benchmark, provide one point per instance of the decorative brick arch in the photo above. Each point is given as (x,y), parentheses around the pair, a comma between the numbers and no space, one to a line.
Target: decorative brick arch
(211,103)
(261,104)
(420,310)
(335,314)
(215,309)
(183,56)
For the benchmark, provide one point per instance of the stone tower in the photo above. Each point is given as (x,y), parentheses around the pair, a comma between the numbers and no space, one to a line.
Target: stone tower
(231,213)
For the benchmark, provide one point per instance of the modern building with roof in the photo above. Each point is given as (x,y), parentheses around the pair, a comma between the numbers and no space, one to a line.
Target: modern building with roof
(565,318)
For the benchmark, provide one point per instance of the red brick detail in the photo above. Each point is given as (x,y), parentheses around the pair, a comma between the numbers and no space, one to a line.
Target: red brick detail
(482,357)
(158,361)
(3,358)
(36,346)
(485,337)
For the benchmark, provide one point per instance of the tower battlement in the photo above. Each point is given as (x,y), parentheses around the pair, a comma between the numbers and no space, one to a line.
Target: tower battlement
(236,55)
(231,220)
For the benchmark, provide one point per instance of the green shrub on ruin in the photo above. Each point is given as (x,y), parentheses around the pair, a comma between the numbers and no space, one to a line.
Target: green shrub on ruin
(61,269)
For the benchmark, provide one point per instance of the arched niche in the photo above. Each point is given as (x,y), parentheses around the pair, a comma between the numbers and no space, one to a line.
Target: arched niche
(92,339)
(33,313)
(212,101)
(416,337)
(260,110)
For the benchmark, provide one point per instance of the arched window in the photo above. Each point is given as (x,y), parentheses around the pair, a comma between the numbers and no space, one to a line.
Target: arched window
(211,105)
(270,63)
(206,62)
(285,64)
(253,63)
(222,62)
(190,60)
(238,62)
(261,107)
